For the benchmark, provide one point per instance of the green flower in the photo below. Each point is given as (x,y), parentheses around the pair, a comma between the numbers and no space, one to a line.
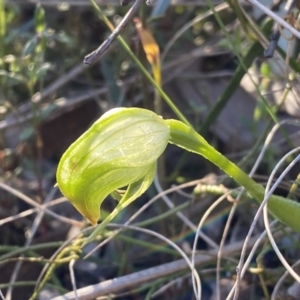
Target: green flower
(120,150)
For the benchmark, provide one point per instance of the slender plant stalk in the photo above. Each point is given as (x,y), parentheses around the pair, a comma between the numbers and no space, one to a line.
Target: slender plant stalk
(286,210)
(71,251)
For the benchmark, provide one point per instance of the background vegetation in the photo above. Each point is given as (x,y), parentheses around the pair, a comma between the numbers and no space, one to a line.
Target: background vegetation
(214,68)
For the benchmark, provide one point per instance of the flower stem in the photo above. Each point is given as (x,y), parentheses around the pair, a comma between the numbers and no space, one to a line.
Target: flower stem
(286,210)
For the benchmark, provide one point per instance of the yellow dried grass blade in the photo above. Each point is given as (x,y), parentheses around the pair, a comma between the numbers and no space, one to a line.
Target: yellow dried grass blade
(151,49)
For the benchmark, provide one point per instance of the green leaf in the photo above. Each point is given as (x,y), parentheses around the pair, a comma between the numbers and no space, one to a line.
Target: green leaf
(30,46)
(39,19)
(119,150)
(42,70)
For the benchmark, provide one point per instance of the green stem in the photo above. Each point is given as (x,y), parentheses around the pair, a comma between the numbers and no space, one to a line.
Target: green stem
(62,255)
(286,210)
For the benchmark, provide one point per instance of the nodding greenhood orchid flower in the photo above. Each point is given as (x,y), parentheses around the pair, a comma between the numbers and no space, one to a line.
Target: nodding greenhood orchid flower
(119,150)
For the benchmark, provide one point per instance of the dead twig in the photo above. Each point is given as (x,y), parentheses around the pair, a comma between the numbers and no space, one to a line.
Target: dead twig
(92,57)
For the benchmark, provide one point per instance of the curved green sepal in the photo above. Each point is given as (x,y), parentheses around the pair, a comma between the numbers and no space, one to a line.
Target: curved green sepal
(133,192)
(118,150)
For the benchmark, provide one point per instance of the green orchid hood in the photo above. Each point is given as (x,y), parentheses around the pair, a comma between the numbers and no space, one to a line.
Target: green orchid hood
(119,150)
